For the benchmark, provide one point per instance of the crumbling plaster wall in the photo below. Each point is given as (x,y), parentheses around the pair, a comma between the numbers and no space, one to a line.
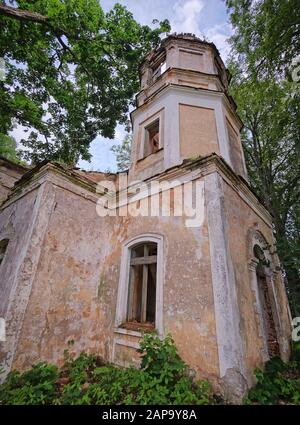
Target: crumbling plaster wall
(188,311)
(66,302)
(14,226)
(64,263)
(198,131)
(74,290)
(24,223)
(242,217)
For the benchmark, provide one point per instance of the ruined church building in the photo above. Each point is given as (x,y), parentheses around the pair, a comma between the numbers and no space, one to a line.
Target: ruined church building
(68,274)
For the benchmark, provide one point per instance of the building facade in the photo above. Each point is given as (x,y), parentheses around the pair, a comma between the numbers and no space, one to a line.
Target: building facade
(179,244)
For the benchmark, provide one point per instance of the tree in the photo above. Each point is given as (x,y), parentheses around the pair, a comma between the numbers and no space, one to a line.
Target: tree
(122,153)
(272,151)
(266,39)
(263,49)
(8,147)
(71,72)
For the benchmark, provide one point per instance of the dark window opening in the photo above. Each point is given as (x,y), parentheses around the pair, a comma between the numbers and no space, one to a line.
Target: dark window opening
(152,138)
(3,247)
(159,69)
(142,284)
(265,301)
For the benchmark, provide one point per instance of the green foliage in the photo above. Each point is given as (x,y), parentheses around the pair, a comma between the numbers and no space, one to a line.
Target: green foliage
(162,379)
(35,386)
(71,73)
(271,142)
(264,45)
(122,153)
(160,358)
(266,37)
(8,147)
(296,352)
(279,383)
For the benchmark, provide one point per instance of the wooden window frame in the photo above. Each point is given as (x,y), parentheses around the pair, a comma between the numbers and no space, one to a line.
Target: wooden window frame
(144,261)
(157,116)
(123,290)
(147,149)
(256,238)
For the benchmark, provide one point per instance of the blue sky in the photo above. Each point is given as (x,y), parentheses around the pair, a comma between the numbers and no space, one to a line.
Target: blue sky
(206,18)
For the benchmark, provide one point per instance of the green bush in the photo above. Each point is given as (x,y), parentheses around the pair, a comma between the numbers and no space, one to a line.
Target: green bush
(162,379)
(35,386)
(279,383)
(296,352)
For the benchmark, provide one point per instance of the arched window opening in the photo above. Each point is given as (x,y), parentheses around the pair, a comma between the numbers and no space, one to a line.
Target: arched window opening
(140,292)
(3,247)
(265,301)
(142,284)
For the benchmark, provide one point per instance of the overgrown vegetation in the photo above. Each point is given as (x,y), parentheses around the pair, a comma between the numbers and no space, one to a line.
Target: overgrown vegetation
(265,60)
(279,383)
(162,379)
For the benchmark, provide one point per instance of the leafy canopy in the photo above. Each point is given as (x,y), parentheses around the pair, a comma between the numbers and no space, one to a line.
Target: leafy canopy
(71,72)
(8,147)
(265,51)
(266,39)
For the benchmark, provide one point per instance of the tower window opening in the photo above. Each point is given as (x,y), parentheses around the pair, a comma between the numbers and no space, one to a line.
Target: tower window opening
(159,69)
(152,138)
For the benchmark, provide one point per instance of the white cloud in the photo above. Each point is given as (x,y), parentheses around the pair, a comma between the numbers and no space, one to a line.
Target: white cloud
(189,16)
(186,16)
(219,34)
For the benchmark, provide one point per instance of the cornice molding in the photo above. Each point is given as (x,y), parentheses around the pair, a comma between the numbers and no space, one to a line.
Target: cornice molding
(189,170)
(189,90)
(52,173)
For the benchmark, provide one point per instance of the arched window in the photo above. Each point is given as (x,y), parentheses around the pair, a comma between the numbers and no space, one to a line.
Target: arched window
(262,281)
(3,247)
(140,288)
(142,283)
(266,303)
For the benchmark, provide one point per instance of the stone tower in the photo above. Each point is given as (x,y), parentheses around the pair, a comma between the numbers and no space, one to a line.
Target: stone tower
(184,98)
(68,272)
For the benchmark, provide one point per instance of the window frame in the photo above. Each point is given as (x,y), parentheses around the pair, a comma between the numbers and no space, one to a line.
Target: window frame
(143,262)
(158,68)
(123,289)
(157,116)
(147,149)
(257,239)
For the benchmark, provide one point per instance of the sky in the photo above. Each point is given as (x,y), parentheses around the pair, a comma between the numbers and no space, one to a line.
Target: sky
(204,18)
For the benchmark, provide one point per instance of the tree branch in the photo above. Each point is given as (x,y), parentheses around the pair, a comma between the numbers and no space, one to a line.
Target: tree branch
(22,15)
